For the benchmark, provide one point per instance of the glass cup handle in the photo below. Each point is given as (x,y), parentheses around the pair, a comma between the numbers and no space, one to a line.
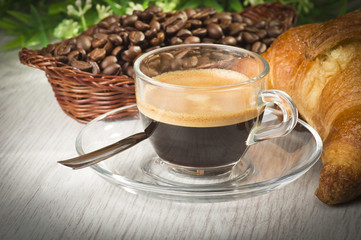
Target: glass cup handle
(269,98)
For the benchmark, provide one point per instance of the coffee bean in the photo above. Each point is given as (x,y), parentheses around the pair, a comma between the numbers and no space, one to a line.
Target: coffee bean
(175,23)
(274,31)
(214,31)
(130,20)
(95,67)
(97,54)
(84,42)
(115,39)
(108,61)
(100,36)
(190,12)
(184,33)
(130,54)
(73,55)
(150,33)
(99,43)
(210,20)
(268,41)
(192,39)
(229,40)
(223,15)
(200,32)
(258,47)
(116,51)
(175,41)
(154,25)
(250,37)
(112,69)
(81,65)
(136,37)
(141,26)
(236,28)
(194,23)
(237,18)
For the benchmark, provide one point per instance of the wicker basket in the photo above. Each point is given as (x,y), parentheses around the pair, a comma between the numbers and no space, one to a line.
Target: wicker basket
(84,96)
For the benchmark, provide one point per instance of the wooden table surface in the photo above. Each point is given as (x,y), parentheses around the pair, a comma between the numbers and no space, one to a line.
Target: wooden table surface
(40,199)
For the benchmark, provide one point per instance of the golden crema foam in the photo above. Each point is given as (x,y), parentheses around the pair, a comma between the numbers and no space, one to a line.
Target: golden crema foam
(199,107)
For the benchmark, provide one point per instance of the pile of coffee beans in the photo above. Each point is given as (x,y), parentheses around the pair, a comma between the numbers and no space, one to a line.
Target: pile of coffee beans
(111,46)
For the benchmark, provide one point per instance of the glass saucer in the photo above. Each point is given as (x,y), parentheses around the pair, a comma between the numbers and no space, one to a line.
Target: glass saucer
(275,163)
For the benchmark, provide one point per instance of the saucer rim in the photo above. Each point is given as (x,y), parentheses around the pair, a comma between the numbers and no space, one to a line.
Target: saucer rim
(195,192)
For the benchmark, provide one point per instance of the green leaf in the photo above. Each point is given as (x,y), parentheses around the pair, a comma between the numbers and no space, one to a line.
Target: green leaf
(9,24)
(57,8)
(15,43)
(235,5)
(23,17)
(43,37)
(215,4)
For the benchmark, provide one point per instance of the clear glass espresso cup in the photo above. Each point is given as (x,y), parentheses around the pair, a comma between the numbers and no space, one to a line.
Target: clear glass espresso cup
(205,103)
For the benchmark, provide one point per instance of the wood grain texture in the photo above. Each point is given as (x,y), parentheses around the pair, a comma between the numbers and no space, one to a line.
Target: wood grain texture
(40,199)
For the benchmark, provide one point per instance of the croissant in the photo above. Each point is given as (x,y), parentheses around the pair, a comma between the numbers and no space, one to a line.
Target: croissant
(319,66)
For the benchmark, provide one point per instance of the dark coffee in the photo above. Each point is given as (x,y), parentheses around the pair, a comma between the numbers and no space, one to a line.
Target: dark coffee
(199,146)
(199,127)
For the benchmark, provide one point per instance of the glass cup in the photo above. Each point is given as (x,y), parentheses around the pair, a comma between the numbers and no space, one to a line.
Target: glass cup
(207,102)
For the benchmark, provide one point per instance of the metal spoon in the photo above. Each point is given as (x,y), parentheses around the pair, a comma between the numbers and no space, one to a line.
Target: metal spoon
(99,155)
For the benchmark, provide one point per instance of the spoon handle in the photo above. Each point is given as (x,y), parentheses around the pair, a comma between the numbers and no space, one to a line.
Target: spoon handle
(104,153)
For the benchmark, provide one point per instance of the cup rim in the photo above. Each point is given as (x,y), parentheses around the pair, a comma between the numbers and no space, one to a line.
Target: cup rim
(139,73)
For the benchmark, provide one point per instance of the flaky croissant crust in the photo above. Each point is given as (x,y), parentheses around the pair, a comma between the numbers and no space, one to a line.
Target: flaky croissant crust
(319,66)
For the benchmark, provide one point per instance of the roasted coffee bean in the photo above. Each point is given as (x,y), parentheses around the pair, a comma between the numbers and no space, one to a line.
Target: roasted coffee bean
(248,21)
(155,41)
(223,15)
(103,24)
(99,43)
(210,20)
(136,37)
(202,15)
(274,31)
(229,40)
(154,25)
(261,33)
(194,23)
(108,61)
(237,18)
(209,40)
(190,12)
(214,31)
(184,33)
(200,32)
(236,28)
(141,26)
(268,41)
(116,51)
(260,24)
(130,71)
(131,53)
(112,69)
(95,67)
(258,47)
(81,65)
(97,54)
(129,20)
(124,36)
(161,36)
(108,47)
(192,39)
(62,49)
(175,41)
(84,42)
(224,24)
(150,33)
(115,39)
(250,37)
(175,23)
(100,36)
(74,55)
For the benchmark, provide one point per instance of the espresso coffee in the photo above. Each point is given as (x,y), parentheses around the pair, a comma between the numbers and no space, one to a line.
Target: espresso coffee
(199,127)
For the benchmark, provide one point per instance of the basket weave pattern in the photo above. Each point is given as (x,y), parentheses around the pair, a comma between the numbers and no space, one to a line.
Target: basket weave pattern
(84,96)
